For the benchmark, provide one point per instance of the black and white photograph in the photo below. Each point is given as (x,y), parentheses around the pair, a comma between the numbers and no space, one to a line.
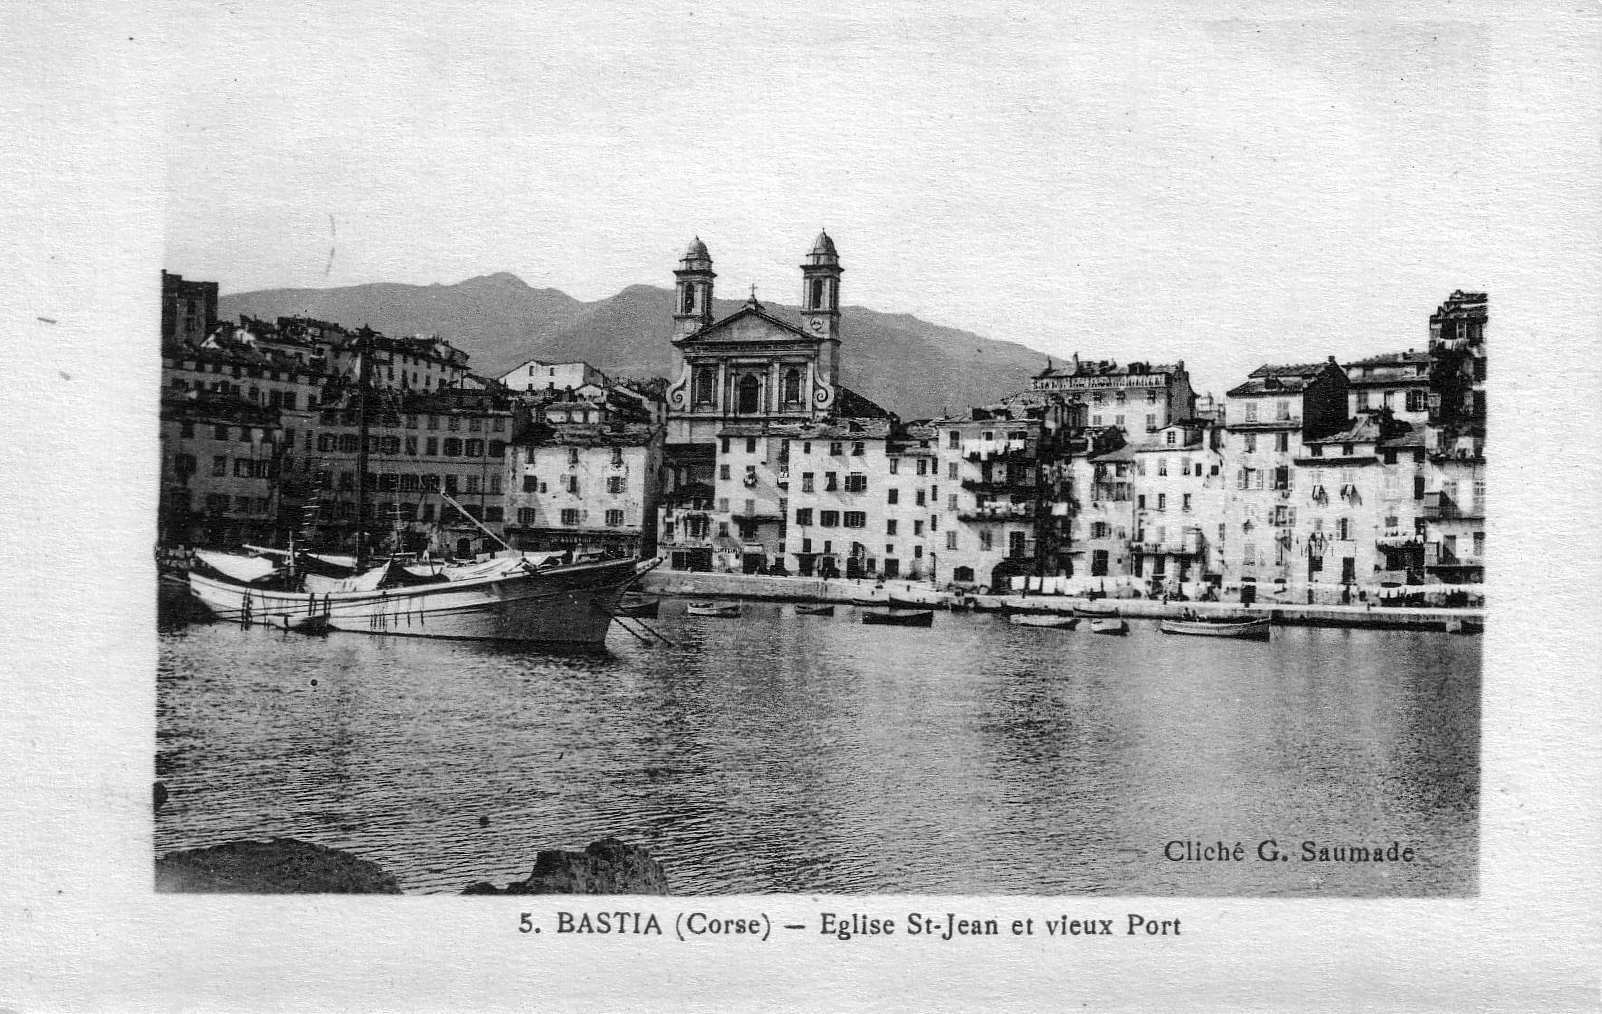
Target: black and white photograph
(716,472)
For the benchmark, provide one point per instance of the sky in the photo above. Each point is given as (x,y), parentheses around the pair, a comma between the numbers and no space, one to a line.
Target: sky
(1227,190)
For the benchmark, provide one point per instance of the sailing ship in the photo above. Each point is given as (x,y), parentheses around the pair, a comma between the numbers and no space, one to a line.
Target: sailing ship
(539,598)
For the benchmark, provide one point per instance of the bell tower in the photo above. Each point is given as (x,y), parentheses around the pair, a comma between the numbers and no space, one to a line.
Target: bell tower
(820,301)
(692,307)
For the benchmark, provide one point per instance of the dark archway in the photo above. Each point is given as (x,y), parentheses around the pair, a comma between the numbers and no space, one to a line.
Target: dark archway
(750,395)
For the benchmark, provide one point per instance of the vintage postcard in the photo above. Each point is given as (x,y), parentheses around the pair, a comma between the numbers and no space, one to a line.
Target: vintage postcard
(853,506)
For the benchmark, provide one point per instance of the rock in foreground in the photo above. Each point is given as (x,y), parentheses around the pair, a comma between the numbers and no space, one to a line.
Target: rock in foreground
(280,866)
(607,867)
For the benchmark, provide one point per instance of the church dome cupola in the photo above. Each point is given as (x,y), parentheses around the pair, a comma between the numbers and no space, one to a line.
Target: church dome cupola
(822,251)
(692,300)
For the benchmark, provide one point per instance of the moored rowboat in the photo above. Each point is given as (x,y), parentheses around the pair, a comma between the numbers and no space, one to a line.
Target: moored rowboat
(1096,609)
(1043,620)
(803,609)
(1113,625)
(899,617)
(725,611)
(635,604)
(1254,629)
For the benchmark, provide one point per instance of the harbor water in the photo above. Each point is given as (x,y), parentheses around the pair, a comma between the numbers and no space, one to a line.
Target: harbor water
(807,754)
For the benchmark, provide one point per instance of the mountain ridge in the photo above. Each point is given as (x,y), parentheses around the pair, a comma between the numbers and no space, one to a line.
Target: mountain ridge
(910,366)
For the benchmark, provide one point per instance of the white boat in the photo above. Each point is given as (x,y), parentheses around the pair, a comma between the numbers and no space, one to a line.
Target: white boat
(569,604)
(1253,629)
(1061,622)
(727,611)
(1114,625)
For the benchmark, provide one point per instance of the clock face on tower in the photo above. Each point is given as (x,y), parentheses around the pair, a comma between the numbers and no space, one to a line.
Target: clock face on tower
(817,324)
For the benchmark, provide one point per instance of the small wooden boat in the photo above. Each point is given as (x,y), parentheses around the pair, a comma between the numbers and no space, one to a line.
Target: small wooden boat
(1109,625)
(1465,626)
(1254,629)
(900,617)
(895,602)
(818,609)
(726,610)
(635,604)
(1059,621)
(1093,610)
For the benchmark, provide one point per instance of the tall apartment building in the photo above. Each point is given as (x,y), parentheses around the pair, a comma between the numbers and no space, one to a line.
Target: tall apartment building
(1138,398)
(1454,507)
(585,488)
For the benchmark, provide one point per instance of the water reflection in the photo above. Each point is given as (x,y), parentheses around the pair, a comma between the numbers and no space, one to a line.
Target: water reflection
(780,753)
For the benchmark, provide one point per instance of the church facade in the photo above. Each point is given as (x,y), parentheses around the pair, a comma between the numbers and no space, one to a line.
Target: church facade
(744,387)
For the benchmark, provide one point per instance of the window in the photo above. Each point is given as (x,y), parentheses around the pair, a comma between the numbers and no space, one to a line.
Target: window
(572,454)
(497,448)
(917,552)
(571,482)
(1362,399)
(614,519)
(895,466)
(1251,411)
(1015,544)
(1479,538)
(918,498)
(1162,466)
(1171,433)
(1162,501)
(453,423)
(1282,478)
(857,449)
(219,465)
(1282,409)
(525,515)
(617,456)
(1118,421)
(831,482)
(1343,529)
(614,484)
(987,540)
(951,470)
(494,513)
(806,482)
(917,529)
(475,425)
(954,440)
(570,516)
(856,482)
(475,448)
(1479,496)
(1184,503)
(836,448)
(951,503)
(474,484)
(411,446)
(723,471)
(792,386)
(723,445)
(1140,502)
(951,540)
(221,433)
(1248,554)
(450,483)
(1251,443)
(453,447)
(856,519)
(750,445)
(829,519)
(803,517)
(1282,441)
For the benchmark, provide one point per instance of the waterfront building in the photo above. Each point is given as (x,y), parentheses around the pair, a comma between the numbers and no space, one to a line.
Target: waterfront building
(220,461)
(843,497)
(1105,468)
(1396,381)
(584,487)
(188,309)
(1268,419)
(994,497)
(1138,398)
(1454,505)
(421,448)
(1178,491)
(1352,514)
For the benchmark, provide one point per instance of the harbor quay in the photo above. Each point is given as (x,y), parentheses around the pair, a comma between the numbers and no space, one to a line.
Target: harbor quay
(1372,615)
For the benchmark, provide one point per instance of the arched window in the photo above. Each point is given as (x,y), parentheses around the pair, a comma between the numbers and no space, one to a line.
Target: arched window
(817,293)
(792,386)
(705,380)
(689,299)
(750,394)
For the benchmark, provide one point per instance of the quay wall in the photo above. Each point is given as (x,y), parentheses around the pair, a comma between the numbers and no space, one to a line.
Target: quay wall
(794,589)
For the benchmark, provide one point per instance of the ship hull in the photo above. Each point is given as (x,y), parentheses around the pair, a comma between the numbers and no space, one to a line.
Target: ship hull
(564,606)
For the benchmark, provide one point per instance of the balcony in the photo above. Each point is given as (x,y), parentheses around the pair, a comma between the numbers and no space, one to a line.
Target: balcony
(1000,486)
(1438,558)
(1399,538)
(989,450)
(998,513)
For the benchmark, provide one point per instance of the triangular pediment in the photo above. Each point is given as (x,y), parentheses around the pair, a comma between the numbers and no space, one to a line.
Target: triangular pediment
(748,324)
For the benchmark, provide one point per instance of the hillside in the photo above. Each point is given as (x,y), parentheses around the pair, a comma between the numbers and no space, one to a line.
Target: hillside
(911,367)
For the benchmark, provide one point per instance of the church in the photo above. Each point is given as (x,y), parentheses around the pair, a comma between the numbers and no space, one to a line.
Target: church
(743,387)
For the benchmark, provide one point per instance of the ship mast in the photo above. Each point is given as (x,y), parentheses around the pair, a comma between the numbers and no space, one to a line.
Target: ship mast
(364,347)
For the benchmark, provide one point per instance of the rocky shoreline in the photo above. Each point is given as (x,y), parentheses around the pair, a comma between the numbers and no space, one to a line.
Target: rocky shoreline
(292,866)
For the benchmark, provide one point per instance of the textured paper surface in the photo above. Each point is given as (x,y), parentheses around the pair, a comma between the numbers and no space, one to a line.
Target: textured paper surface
(85,195)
